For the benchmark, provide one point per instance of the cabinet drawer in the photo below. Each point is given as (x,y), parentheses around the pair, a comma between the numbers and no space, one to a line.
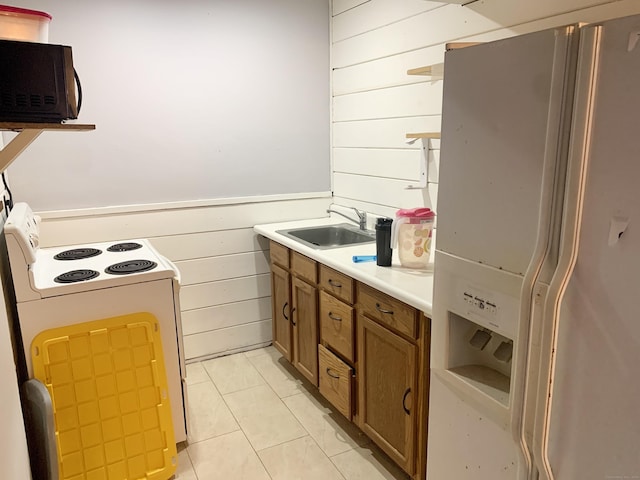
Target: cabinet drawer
(279,254)
(336,325)
(304,267)
(335,381)
(387,310)
(339,284)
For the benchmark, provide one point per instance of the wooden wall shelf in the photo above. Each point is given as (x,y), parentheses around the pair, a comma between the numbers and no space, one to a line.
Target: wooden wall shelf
(433,135)
(27,133)
(457,45)
(19,126)
(436,70)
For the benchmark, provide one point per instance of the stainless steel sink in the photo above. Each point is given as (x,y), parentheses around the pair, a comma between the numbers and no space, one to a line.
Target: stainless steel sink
(329,236)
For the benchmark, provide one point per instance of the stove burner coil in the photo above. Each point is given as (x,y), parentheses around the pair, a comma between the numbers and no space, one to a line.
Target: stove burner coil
(76,276)
(124,247)
(131,266)
(77,254)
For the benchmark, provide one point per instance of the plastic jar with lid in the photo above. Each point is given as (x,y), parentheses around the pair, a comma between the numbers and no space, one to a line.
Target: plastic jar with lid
(412,231)
(23,24)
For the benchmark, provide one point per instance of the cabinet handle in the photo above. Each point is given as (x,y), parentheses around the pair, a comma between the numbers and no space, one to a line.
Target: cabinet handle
(382,310)
(404,399)
(332,375)
(335,284)
(334,317)
(284,307)
(292,312)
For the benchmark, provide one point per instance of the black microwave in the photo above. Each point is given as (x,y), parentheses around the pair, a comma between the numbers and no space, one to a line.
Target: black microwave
(37,83)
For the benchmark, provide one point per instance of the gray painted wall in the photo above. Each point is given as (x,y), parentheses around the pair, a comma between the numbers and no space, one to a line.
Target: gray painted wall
(192,100)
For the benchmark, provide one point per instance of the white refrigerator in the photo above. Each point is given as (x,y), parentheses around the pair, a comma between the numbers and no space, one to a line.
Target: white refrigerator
(14,455)
(536,317)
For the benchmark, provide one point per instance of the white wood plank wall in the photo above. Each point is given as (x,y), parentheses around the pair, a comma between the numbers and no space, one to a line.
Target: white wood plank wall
(225,294)
(375,102)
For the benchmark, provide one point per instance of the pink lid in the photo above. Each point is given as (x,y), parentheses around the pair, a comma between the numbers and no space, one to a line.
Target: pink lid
(421,213)
(7,9)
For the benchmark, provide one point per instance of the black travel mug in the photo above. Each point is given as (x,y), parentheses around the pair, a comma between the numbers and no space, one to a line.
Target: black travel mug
(383,242)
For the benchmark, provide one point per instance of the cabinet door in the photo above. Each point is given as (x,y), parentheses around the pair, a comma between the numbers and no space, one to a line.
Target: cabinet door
(304,318)
(387,390)
(281,308)
(337,325)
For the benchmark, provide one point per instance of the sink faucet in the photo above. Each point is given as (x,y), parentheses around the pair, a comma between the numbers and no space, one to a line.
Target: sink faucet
(362,217)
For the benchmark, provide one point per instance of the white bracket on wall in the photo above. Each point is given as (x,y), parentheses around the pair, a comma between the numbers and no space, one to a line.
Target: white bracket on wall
(424,164)
(27,133)
(411,138)
(16,146)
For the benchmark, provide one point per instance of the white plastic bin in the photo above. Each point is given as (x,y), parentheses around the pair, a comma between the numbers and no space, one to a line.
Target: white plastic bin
(23,24)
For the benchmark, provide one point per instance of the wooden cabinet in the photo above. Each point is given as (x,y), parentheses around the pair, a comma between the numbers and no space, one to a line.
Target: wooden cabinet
(387,366)
(393,341)
(280,255)
(338,284)
(294,299)
(337,314)
(281,311)
(390,312)
(337,337)
(304,318)
(367,352)
(335,381)
(337,325)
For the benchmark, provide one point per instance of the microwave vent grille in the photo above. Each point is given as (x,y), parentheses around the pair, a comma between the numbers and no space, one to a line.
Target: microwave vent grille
(23,100)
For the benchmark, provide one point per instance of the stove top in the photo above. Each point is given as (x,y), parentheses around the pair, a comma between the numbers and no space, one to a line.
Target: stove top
(131,266)
(46,272)
(77,254)
(124,247)
(137,261)
(76,276)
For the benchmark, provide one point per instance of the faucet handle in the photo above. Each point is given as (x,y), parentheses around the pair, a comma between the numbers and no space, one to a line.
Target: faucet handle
(359,213)
(362,217)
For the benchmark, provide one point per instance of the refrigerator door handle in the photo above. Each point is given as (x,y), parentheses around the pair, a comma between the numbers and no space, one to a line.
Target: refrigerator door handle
(578,156)
(634,37)
(556,140)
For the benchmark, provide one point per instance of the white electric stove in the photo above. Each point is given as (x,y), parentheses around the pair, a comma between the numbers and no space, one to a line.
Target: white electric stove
(62,286)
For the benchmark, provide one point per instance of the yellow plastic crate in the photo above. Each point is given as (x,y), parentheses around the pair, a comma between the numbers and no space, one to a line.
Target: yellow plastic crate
(108,386)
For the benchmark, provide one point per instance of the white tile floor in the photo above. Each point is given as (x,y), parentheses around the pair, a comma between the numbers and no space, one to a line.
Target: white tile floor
(252,417)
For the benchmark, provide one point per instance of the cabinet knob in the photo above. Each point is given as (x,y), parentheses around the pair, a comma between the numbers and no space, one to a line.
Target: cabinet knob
(332,375)
(284,308)
(335,284)
(292,312)
(335,317)
(382,310)
(404,399)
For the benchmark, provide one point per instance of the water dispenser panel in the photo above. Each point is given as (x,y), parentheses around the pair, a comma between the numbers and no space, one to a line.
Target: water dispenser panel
(494,310)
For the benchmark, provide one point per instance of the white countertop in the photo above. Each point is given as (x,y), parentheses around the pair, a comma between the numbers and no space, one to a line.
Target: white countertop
(412,286)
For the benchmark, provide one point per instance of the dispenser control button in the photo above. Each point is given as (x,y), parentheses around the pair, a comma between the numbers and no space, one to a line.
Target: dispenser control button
(481,305)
